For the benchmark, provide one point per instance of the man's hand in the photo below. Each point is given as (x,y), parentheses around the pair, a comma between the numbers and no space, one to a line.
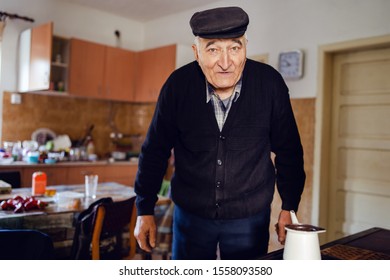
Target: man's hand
(145,232)
(284,219)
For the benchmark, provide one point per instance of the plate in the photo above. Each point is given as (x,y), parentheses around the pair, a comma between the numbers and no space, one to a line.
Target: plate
(42,135)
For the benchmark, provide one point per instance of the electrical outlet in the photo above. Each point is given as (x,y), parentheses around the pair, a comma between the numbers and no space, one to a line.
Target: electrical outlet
(16,98)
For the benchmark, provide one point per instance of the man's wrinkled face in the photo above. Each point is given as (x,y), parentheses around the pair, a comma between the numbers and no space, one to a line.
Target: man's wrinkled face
(222,61)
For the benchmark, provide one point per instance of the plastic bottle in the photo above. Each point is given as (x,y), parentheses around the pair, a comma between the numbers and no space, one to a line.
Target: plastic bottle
(90,148)
(39,181)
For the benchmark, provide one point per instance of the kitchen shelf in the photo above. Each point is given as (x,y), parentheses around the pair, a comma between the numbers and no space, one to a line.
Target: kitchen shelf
(59,66)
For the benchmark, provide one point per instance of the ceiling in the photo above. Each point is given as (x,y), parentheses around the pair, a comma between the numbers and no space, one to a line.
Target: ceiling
(142,10)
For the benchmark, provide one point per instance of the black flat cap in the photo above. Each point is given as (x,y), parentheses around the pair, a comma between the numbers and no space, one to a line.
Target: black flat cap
(226,22)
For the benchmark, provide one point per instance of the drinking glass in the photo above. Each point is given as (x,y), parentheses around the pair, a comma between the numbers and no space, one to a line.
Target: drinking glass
(91,183)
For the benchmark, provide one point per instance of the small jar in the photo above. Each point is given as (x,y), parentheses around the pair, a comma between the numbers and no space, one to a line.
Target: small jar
(60,86)
(58,58)
(39,181)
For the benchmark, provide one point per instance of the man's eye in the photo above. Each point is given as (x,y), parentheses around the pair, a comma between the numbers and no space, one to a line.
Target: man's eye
(212,50)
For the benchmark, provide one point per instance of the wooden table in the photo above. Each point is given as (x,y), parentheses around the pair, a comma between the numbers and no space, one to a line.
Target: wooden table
(370,244)
(58,222)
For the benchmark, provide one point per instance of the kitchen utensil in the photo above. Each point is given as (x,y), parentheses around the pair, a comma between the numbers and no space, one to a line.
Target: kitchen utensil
(42,135)
(62,142)
(301,241)
(118,155)
(50,161)
(29,146)
(87,136)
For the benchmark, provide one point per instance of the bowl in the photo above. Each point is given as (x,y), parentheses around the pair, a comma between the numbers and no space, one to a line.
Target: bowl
(32,159)
(50,160)
(118,155)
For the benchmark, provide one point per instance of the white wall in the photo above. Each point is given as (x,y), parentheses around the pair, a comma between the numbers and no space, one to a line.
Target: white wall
(277,25)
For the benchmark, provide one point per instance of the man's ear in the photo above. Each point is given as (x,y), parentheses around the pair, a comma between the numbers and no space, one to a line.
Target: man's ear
(195,50)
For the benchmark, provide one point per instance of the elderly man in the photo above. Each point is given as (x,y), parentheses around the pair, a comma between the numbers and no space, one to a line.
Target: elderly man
(223,115)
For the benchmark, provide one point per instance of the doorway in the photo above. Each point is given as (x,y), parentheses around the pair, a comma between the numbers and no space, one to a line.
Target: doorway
(352,141)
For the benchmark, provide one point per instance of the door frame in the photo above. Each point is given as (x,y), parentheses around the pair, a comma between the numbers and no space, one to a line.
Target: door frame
(322,136)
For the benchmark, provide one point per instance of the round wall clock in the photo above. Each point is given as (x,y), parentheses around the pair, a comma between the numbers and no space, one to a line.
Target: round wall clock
(291,64)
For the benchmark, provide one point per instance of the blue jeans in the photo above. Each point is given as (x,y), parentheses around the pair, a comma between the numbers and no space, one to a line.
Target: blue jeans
(196,238)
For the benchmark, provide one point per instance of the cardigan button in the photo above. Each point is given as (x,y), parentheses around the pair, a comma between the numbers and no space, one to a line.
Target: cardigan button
(219,184)
(222,137)
(219,162)
(217,205)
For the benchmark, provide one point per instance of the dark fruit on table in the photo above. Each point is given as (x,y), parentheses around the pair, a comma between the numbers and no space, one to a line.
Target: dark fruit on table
(20,204)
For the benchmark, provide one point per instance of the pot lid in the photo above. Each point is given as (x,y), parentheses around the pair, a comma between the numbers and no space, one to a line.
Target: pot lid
(305,228)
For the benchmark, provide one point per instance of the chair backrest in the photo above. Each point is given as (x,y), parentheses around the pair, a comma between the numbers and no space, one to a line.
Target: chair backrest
(23,244)
(83,231)
(111,220)
(99,230)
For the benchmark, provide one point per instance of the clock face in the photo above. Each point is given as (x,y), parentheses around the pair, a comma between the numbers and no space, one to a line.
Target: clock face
(291,64)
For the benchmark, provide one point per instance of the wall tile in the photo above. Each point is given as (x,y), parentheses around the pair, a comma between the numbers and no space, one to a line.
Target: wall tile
(72,116)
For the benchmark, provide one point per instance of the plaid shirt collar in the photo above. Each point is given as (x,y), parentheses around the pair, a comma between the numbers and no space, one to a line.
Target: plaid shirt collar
(211,91)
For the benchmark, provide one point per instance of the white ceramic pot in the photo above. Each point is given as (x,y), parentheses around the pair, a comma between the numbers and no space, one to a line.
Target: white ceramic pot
(302,242)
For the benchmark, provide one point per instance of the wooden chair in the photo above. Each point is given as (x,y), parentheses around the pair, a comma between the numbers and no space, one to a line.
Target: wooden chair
(100,228)
(110,221)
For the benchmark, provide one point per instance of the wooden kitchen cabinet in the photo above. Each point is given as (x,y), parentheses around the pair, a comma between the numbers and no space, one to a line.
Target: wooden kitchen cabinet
(68,174)
(55,175)
(101,71)
(76,174)
(118,173)
(86,68)
(40,55)
(119,74)
(122,174)
(41,67)
(153,68)
(59,69)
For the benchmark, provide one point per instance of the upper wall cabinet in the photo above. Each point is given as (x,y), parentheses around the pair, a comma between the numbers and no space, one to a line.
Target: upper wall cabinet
(43,60)
(154,66)
(101,71)
(86,68)
(119,74)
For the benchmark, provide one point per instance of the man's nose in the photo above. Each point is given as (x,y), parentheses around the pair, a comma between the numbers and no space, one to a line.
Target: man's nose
(224,60)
